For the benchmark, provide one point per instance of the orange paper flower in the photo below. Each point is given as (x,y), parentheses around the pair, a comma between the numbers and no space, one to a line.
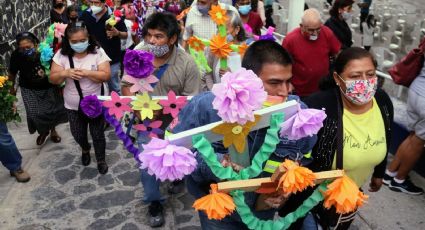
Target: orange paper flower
(235,134)
(196,44)
(219,46)
(296,178)
(218,14)
(242,48)
(183,14)
(344,195)
(216,205)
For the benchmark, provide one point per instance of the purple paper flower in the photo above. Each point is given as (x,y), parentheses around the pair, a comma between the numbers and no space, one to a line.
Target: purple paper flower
(91,106)
(166,161)
(138,63)
(306,122)
(151,129)
(238,95)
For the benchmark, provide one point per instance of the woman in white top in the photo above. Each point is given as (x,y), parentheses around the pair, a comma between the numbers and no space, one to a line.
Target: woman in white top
(90,70)
(368,27)
(235,34)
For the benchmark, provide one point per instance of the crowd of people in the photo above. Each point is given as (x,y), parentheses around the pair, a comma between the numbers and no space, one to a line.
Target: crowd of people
(315,65)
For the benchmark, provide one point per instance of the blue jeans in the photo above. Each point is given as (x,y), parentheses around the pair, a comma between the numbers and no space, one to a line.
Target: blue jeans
(114,82)
(309,222)
(9,153)
(149,182)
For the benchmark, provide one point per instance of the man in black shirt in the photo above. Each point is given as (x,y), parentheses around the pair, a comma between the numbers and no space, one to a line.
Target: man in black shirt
(110,39)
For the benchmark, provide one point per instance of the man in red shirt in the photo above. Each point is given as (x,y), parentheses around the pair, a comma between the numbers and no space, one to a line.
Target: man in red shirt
(311,46)
(248,16)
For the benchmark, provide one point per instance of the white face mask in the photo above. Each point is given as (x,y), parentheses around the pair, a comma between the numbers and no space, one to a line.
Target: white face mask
(96,9)
(346,15)
(313,37)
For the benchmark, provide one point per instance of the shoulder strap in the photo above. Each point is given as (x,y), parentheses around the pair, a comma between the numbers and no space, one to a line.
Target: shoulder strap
(77,83)
(339,133)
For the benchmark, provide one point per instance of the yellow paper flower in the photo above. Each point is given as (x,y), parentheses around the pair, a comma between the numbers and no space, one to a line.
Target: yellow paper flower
(145,105)
(235,134)
(3,80)
(219,46)
(218,14)
(196,44)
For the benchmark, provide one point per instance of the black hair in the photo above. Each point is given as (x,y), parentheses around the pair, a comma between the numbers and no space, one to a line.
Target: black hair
(27,36)
(73,28)
(370,20)
(341,61)
(265,52)
(254,5)
(163,21)
(338,4)
(70,9)
(126,1)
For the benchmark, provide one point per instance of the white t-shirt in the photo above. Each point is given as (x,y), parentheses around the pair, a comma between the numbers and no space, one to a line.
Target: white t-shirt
(88,87)
(126,43)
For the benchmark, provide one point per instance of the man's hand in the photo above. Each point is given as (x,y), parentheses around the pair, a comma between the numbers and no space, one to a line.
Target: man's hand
(223,71)
(375,184)
(113,32)
(226,162)
(276,200)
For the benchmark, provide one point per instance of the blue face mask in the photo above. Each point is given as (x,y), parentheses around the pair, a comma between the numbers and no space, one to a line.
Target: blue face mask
(203,9)
(29,52)
(80,47)
(244,9)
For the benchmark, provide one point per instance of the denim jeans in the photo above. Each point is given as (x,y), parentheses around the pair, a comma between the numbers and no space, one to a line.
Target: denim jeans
(149,182)
(114,82)
(9,153)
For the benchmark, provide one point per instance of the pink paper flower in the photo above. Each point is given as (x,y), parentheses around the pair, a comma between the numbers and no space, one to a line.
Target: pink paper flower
(60,30)
(166,161)
(238,95)
(173,105)
(141,84)
(117,106)
(306,122)
(150,129)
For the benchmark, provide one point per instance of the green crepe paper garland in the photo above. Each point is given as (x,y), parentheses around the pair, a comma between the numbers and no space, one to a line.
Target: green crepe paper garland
(200,60)
(282,223)
(270,141)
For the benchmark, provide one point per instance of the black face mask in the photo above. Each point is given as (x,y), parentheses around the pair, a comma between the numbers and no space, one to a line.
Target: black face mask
(59,5)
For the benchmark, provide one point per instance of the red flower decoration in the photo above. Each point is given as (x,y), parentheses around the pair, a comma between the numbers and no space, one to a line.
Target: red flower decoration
(173,105)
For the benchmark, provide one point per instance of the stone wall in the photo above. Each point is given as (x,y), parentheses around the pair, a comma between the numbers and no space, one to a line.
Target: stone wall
(21,15)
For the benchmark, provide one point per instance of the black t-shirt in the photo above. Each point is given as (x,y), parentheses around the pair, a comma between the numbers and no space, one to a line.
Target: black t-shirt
(56,17)
(31,73)
(97,29)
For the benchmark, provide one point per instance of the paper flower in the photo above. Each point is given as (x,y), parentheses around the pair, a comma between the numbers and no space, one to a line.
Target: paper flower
(118,14)
(167,161)
(296,178)
(46,52)
(267,36)
(117,105)
(247,28)
(242,48)
(91,106)
(150,129)
(135,26)
(306,122)
(141,84)
(219,46)
(216,205)
(173,105)
(3,80)
(235,134)
(196,44)
(238,95)
(218,15)
(60,30)
(344,195)
(138,63)
(183,14)
(145,105)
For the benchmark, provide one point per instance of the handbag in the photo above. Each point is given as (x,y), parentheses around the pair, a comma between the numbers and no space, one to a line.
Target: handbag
(81,114)
(409,67)
(329,218)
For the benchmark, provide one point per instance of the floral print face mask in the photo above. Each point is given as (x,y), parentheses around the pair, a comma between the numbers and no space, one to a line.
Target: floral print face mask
(360,92)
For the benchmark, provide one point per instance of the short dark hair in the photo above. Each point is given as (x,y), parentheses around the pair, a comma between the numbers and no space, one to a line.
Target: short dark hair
(341,61)
(71,8)
(265,52)
(27,36)
(163,21)
(338,4)
(73,28)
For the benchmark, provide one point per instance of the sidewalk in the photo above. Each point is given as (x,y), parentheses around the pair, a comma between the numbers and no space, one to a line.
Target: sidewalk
(63,194)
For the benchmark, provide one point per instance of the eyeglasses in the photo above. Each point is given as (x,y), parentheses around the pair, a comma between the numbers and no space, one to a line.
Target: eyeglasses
(310,30)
